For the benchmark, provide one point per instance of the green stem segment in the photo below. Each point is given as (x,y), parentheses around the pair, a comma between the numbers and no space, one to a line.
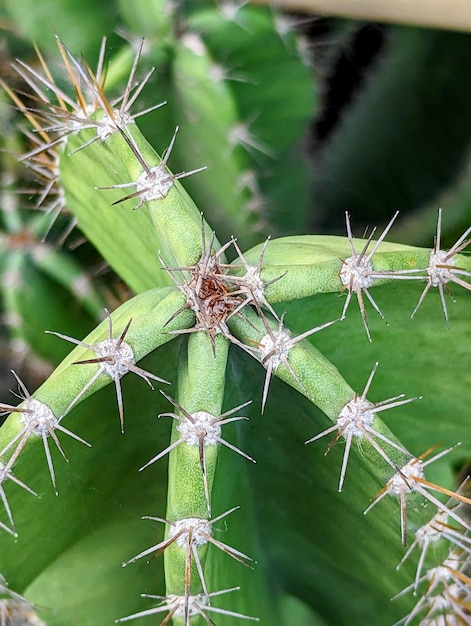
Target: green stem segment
(200,388)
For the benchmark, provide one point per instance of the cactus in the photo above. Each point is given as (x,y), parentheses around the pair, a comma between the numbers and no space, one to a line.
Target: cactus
(176,450)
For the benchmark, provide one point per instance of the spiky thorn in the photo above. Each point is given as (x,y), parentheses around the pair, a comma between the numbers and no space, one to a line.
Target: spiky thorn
(45,142)
(229,10)
(433,531)
(40,421)
(411,478)
(13,612)
(196,605)
(190,534)
(43,161)
(241,135)
(115,358)
(357,274)
(5,591)
(155,182)
(448,594)
(200,429)
(6,474)
(287,26)
(207,293)
(251,285)
(202,534)
(273,350)
(219,74)
(50,197)
(442,269)
(356,420)
(43,84)
(114,116)
(14,609)
(69,116)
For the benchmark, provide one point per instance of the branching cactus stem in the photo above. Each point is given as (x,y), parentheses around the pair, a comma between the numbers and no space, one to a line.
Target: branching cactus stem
(201,311)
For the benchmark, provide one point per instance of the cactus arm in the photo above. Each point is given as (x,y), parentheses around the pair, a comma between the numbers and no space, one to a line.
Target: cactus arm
(309,264)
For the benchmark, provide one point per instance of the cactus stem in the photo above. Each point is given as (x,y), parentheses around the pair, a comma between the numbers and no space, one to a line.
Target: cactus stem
(200,429)
(180,606)
(115,358)
(410,478)
(356,419)
(442,269)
